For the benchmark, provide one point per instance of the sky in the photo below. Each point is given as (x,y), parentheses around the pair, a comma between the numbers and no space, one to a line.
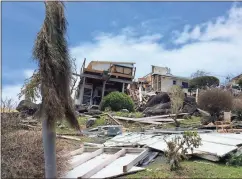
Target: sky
(184,36)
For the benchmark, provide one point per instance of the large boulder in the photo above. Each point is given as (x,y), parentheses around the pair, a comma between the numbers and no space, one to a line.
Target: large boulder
(28,107)
(90,122)
(157,99)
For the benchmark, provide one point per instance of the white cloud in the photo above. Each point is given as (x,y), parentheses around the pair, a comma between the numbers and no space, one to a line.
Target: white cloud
(11,91)
(28,73)
(216,48)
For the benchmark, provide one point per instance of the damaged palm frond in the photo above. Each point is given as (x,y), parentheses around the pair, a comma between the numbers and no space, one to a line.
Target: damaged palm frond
(51,52)
(31,87)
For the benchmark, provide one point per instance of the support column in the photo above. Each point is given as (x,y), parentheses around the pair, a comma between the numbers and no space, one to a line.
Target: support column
(82,90)
(157,83)
(104,84)
(123,88)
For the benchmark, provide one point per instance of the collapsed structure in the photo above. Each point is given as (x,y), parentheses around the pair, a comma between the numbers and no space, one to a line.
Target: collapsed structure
(161,80)
(100,78)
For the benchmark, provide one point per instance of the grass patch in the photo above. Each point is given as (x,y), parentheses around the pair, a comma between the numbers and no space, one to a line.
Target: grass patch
(190,169)
(194,121)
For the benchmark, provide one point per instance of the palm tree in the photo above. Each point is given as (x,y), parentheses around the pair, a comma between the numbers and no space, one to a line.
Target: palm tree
(51,53)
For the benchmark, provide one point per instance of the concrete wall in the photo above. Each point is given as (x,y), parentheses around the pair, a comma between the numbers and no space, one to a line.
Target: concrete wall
(167,83)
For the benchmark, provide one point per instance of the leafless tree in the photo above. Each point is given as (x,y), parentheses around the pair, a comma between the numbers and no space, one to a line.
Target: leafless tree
(7,104)
(199,73)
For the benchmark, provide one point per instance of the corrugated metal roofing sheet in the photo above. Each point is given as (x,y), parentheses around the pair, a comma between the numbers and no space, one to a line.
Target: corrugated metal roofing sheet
(212,143)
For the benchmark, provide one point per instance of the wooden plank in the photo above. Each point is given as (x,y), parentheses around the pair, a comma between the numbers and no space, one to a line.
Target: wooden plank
(68,137)
(75,152)
(104,164)
(135,120)
(89,157)
(113,118)
(162,120)
(161,116)
(127,167)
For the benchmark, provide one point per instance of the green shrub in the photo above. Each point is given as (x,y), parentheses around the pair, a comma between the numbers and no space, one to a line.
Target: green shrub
(235,160)
(117,101)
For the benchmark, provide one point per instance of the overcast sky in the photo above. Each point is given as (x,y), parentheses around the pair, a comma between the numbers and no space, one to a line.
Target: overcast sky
(184,36)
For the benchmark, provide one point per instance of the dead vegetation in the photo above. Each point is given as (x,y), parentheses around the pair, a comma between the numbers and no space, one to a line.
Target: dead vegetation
(215,101)
(22,150)
(177,100)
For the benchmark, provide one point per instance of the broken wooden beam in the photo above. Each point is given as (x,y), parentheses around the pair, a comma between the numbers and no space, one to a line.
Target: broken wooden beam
(135,120)
(88,157)
(143,154)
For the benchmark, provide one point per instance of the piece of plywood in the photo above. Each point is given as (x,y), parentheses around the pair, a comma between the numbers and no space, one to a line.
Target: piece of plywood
(75,152)
(82,169)
(103,164)
(127,167)
(88,157)
(115,169)
(135,120)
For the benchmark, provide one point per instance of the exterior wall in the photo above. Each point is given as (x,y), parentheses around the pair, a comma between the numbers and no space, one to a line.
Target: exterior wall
(167,83)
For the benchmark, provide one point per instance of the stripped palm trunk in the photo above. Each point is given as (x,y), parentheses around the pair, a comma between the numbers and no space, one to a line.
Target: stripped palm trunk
(51,53)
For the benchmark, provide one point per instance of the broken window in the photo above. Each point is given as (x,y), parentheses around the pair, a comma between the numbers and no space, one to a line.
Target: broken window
(184,84)
(174,82)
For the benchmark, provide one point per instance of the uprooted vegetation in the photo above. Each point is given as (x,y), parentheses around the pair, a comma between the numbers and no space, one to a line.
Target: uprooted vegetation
(22,150)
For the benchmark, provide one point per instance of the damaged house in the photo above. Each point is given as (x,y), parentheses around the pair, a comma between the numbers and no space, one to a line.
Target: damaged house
(100,78)
(161,80)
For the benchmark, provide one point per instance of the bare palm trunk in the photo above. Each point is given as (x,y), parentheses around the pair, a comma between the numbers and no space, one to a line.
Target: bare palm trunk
(49,137)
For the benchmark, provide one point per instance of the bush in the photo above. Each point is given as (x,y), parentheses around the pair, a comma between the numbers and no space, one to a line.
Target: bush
(177,148)
(215,101)
(237,108)
(117,101)
(235,160)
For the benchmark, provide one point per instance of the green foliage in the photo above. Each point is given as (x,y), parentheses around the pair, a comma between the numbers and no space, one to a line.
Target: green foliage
(117,101)
(215,101)
(240,83)
(235,160)
(31,87)
(178,148)
(203,81)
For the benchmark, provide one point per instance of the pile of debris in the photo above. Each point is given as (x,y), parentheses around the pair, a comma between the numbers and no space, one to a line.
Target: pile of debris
(130,152)
(159,104)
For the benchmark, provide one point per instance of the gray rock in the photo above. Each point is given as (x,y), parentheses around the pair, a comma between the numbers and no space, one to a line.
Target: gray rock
(93,107)
(125,110)
(90,122)
(28,107)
